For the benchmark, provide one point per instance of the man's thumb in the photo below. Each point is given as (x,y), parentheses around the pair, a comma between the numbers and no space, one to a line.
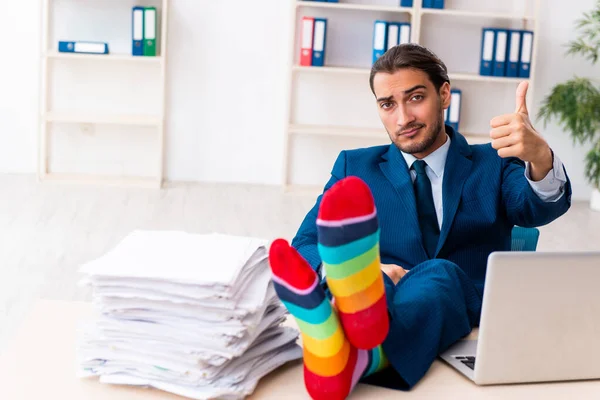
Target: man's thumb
(521,98)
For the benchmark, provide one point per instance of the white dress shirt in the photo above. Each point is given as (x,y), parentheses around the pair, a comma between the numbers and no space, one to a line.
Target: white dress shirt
(549,189)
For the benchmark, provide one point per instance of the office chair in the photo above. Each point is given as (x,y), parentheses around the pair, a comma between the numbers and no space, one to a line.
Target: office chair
(524,239)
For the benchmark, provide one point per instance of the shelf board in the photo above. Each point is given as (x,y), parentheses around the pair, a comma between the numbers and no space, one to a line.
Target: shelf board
(325,130)
(99,118)
(481,78)
(366,71)
(363,7)
(332,70)
(303,190)
(477,138)
(103,57)
(366,133)
(124,181)
(475,14)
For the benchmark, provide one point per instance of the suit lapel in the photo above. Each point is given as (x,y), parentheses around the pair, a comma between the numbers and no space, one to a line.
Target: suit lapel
(456,171)
(396,171)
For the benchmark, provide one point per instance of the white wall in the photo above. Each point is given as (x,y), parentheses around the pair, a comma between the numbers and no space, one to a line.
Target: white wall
(19,68)
(227,93)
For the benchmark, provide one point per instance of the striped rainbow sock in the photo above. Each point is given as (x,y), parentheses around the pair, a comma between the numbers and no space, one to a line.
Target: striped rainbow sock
(348,235)
(332,366)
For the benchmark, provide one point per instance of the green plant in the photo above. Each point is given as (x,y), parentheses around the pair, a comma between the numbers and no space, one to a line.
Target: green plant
(576,102)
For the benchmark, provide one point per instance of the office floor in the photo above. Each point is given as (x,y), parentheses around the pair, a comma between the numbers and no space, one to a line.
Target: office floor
(47,231)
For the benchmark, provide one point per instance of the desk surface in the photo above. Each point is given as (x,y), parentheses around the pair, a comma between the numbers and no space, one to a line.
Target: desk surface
(40,361)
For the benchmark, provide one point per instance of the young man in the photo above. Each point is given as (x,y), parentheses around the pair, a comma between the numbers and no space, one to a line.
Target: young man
(427,210)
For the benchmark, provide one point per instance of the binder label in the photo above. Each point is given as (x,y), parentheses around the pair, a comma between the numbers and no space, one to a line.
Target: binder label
(83,47)
(307,33)
(138,23)
(515,37)
(379,36)
(150,29)
(527,44)
(455,107)
(488,45)
(319,43)
(501,46)
(392,36)
(405,34)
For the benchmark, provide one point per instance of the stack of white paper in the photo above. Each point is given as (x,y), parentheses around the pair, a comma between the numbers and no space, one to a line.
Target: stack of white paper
(195,315)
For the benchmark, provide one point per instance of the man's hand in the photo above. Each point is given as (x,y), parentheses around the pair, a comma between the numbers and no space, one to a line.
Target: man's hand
(514,136)
(395,272)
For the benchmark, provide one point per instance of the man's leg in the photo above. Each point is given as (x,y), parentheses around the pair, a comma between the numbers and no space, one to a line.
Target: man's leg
(434,305)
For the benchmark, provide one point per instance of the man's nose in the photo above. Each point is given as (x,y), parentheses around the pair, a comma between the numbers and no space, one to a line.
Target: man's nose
(405,117)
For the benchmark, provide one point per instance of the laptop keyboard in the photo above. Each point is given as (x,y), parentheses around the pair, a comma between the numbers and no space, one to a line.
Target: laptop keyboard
(469,361)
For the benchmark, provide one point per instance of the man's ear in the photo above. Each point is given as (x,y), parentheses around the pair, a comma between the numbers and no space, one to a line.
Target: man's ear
(445,95)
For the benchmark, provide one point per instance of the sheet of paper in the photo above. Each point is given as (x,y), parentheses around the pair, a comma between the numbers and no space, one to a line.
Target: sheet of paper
(249,297)
(217,390)
(178,257)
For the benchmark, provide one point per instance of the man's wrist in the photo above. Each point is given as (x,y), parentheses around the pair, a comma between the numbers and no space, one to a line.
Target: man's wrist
(540,168)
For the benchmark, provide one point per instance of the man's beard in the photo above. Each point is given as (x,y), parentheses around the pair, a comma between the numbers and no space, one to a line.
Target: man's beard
(431,135)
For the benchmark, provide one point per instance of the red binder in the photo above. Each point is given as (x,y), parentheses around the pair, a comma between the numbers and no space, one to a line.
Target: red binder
(308,28)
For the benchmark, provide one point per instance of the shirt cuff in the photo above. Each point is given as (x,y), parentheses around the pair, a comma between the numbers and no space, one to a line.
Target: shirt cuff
(552,187)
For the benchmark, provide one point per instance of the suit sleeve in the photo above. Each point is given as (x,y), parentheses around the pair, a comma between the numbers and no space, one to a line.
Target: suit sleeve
(305,240)
(523,206)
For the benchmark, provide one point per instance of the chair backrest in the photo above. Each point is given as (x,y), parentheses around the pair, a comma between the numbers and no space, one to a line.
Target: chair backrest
(524,239)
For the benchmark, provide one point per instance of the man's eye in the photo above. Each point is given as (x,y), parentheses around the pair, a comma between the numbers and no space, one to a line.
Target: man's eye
(386,105)
(417,97)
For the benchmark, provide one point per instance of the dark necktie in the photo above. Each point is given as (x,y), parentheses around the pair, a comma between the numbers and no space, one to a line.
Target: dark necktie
(426,208)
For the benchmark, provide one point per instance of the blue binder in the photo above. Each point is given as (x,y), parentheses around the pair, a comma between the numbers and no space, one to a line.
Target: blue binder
(379,39)
(454,109)
(137,31)
(526,53)
(406,3)
(437,4)
(488,44)
(83,47)
(319,42)
(332,1)
(501,46)
(513,53)
(427,4)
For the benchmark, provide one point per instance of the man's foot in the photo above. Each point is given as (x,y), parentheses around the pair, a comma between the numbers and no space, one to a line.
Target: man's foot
(332,366)
(348,232)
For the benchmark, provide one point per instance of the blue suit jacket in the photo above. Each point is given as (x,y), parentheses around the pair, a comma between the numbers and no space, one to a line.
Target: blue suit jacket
(484,197)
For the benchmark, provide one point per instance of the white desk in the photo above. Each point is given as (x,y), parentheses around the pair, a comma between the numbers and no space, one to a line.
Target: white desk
(40,363)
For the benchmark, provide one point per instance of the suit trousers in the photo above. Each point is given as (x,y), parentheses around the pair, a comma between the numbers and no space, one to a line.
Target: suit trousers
(434,305)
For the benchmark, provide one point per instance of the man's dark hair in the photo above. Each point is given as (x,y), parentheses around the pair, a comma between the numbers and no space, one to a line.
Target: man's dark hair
(411,56)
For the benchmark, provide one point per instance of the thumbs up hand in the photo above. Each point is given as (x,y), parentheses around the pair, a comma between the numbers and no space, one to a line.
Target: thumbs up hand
(514,136)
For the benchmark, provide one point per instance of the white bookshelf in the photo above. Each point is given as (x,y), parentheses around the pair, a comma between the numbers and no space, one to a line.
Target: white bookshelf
(104,57)
(524,18)
(50,59)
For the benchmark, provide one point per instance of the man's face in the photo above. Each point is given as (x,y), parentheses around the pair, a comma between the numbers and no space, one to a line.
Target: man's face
(412,110)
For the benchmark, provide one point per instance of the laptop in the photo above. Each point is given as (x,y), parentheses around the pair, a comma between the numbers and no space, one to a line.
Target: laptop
(540,320)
